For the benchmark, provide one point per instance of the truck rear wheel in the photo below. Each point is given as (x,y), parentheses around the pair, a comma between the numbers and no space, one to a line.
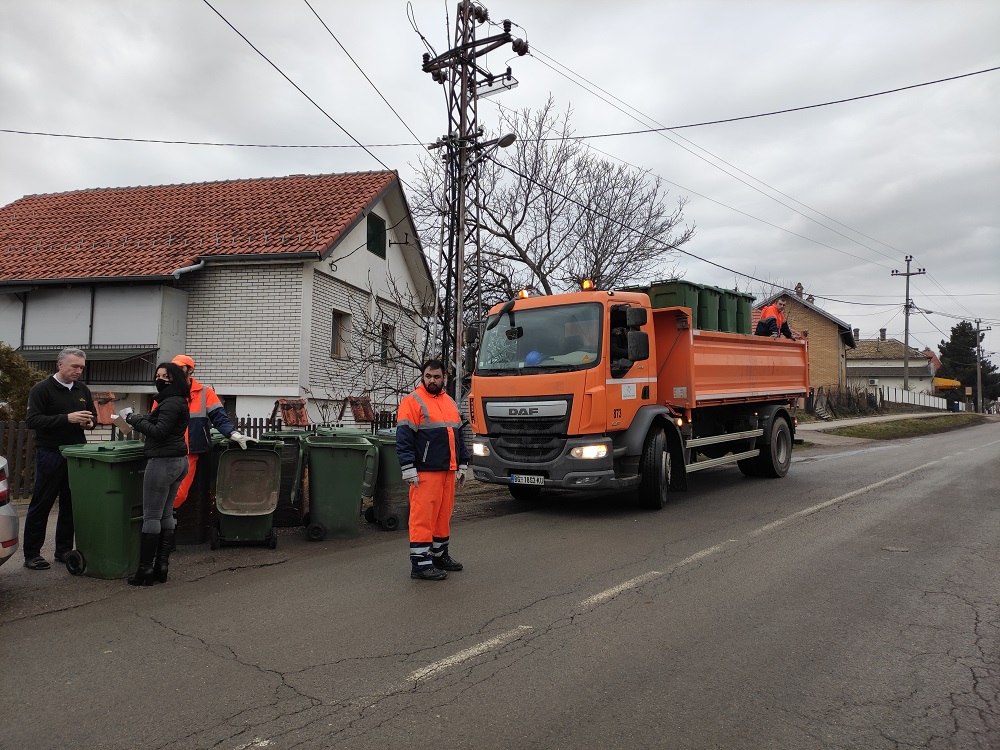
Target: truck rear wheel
(655,472)
(774,459)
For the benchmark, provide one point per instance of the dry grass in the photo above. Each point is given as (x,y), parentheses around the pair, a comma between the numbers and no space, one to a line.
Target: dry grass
(904,428)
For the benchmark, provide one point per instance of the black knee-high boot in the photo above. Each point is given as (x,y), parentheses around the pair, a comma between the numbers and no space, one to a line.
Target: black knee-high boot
(143,575)
(166,546)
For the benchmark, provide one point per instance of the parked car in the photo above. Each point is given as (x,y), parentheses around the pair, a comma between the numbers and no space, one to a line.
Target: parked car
(8,517)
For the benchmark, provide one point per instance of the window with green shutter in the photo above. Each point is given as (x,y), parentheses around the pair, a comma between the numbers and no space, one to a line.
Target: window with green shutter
(376,235)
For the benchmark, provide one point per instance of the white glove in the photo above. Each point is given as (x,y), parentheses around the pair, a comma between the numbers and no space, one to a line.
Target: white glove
(241,439)
(125,412)
(410,475)
(460,475)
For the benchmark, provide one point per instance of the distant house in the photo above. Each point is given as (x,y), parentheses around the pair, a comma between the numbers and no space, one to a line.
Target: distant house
(829,337)
(879,363)
(301,287)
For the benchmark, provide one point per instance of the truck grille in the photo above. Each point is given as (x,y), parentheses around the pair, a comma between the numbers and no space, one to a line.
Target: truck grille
(528,439)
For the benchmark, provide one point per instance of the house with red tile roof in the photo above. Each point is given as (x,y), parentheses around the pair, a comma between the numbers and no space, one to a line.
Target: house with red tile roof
(306,286)
(829,337)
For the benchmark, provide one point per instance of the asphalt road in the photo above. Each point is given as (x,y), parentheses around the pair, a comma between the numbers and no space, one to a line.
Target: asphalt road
(853,604)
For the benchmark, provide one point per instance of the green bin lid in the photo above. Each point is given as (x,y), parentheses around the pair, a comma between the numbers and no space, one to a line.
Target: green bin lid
(359,440)
(112,452)
(285,435)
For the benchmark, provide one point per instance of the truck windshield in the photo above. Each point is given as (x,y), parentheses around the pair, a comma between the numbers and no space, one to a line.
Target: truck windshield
(543,339)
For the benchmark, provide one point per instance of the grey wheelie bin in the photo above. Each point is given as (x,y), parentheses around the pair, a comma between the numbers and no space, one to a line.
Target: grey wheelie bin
(342,471)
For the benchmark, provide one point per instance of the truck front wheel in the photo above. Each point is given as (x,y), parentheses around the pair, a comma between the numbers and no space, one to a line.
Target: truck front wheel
(655,472)
(777,457)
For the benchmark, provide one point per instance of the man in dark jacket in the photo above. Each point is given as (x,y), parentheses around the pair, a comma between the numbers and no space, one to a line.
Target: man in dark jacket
(433,459)
(60,408)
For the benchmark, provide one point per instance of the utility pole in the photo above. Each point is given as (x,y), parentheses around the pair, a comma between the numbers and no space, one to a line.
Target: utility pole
(466,81)
(906,317)
(979,366)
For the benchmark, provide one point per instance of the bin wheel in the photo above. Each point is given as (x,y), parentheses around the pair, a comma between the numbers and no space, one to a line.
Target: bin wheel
(272,540)
(370,514)
(213,538)
(390,523)
(75,563)
(315,532)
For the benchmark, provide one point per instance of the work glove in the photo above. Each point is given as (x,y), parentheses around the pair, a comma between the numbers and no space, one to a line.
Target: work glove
(124,413)
(410,475)
(460,476)
(241,439)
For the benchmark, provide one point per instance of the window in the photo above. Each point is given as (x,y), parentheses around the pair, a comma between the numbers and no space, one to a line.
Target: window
(339,330)
(388,340)
(376,235)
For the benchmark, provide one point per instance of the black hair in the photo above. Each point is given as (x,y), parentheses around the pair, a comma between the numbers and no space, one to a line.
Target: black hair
(432,364)
(180,383)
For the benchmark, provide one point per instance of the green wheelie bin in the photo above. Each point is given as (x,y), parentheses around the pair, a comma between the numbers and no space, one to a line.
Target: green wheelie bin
(390,508)
(106,482)
(342,471)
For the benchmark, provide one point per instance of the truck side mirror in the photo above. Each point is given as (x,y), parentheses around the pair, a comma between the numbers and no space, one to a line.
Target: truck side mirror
(472,334)
(638,345)
(469,363)
(635,317)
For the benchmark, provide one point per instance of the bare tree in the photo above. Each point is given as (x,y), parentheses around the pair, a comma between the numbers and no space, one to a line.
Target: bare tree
(551,213)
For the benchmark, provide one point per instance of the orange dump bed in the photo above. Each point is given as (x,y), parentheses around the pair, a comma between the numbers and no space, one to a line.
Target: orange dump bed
(705,368)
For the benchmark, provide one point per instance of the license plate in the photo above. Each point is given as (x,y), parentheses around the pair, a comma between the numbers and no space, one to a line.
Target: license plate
(526,479)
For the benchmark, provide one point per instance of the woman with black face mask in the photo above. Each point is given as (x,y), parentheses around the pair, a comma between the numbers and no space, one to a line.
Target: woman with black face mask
(167,464)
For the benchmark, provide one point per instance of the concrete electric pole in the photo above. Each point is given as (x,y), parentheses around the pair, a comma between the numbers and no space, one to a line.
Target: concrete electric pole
(979,365)
(906,317)
(465,81)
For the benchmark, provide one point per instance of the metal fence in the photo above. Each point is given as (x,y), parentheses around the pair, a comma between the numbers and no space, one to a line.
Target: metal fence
(899,396)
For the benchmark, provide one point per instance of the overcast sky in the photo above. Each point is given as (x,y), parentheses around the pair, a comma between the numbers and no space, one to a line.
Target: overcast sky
(915,172)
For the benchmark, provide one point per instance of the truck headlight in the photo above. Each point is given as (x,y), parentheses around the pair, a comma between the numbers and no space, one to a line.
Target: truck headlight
(480,449)
(589,451)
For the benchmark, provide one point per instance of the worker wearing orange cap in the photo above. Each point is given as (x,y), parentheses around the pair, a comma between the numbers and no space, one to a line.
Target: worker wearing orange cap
(206,412)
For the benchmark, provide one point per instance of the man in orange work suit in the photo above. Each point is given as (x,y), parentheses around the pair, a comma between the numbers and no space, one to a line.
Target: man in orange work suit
(772,321)
(434,460)
(206,412)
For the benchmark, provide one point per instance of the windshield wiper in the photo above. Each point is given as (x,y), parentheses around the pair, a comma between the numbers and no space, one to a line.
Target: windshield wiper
(498,371)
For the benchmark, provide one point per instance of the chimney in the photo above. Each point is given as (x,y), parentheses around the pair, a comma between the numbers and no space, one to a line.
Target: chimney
(857,334)
(799,289)
(881,334)
(810,299)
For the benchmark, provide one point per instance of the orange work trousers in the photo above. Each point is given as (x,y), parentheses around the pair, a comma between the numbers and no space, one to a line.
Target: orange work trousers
(431,504)
(182,491)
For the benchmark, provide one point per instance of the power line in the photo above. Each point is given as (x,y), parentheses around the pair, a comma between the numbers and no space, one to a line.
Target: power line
(206,143)
(359,68)
(786,111)
(297,87)
(620,223)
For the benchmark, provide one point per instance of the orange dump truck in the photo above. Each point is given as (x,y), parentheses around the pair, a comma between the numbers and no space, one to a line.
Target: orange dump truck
(597,389)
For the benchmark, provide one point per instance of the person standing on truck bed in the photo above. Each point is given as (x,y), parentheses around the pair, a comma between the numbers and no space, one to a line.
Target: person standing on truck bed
(433,459)
(772,321)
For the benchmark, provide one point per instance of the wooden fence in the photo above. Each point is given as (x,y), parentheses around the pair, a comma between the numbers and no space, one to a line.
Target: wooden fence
(17,444)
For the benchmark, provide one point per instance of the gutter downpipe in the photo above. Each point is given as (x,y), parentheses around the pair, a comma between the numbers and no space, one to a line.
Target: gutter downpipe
(188,269)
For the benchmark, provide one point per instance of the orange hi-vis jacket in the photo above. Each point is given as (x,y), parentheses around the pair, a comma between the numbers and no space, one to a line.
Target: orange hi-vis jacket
(772,322)
(206,412)
(429,433)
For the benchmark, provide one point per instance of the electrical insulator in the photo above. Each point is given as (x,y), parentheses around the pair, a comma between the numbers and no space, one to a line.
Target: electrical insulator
(520,47)
(506,26)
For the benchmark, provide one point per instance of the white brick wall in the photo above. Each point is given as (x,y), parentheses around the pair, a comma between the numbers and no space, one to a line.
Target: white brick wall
(243,325)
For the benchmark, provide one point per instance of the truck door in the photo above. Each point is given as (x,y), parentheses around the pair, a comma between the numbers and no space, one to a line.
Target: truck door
(631,382)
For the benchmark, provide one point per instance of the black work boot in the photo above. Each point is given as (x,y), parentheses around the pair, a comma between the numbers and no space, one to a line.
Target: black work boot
(447,562)
(428,573)
(163,550)
(143,575)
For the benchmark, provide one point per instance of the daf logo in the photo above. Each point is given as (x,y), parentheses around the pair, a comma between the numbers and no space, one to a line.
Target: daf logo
(511,409)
